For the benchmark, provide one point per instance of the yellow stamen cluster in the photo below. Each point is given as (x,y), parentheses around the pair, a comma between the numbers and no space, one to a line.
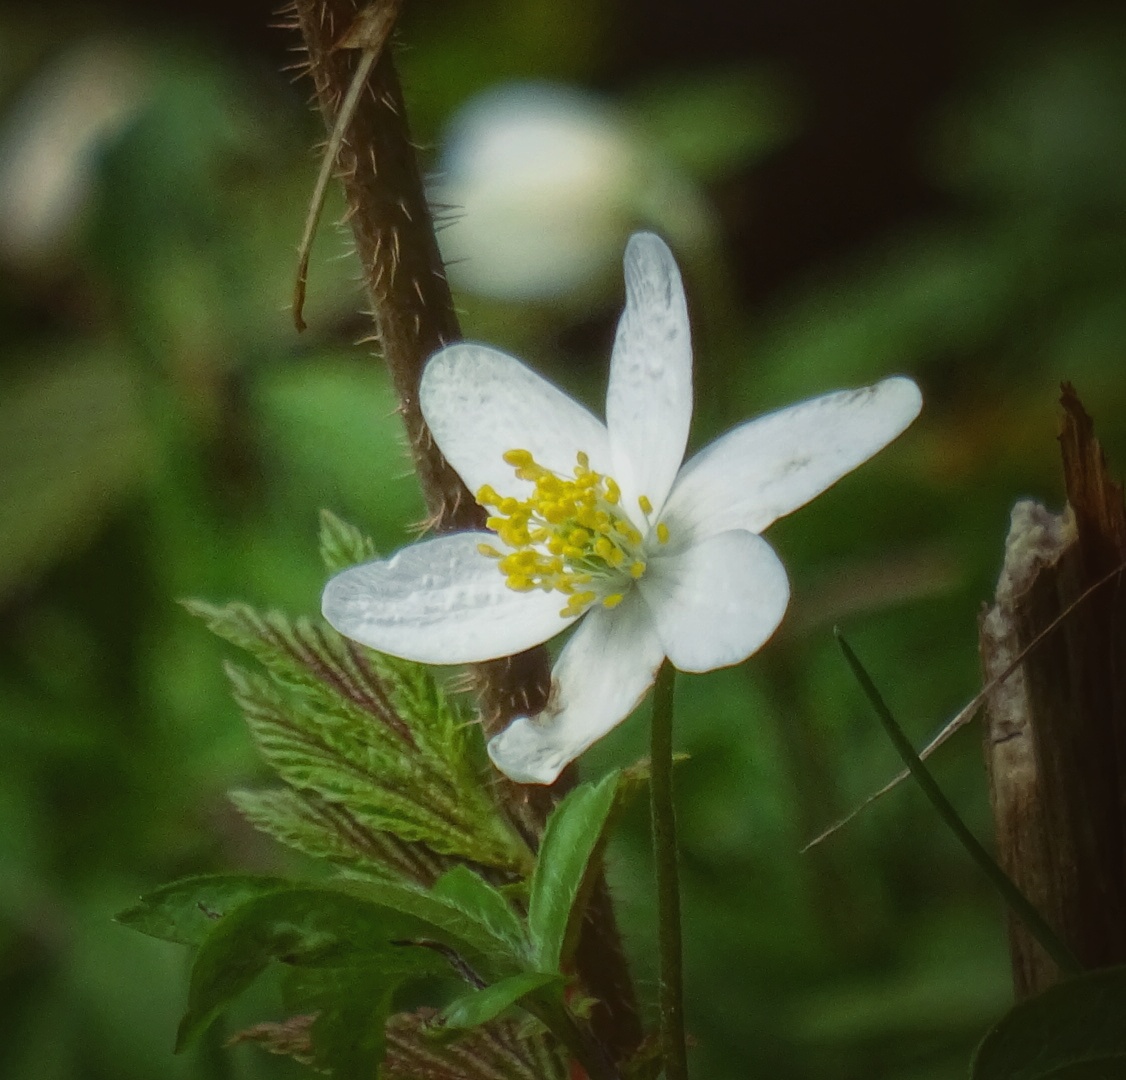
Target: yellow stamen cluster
(569,536)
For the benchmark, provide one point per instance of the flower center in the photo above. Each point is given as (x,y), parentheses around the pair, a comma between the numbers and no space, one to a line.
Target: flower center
(569,535)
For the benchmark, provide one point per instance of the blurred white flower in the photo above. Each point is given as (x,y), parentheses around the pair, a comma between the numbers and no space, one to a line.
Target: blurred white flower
(603,522)
(543,184)
(51,139)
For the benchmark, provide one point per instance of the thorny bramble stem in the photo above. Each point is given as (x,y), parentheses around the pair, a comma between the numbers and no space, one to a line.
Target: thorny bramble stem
(414,317)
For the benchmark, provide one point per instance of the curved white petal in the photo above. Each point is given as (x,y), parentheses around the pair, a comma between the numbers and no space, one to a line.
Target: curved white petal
(649,399)
(601,675)
(479,403)
(718,601)
(440,602)
(766,468)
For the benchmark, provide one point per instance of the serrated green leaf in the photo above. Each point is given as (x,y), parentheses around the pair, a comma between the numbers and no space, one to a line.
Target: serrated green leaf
(1075,1030)
(300,926)
(186,911)
(313,751)
(310,824)
(366,731)
(342,545)
(480,1006)
(574,834)
(479,900)
(310,657)
(351,1005)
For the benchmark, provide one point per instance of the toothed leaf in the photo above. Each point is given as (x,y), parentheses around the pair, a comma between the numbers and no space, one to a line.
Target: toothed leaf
(480,901)
(328,754)
(321,829)
(368,732)
(342,545)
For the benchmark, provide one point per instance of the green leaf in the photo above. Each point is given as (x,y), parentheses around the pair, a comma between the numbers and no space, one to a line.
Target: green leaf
(574,835)
(304,927)
(1074,1030)
(480,1006)
(446,921)
(321,829)
(334,755)
(342,545)
(375,734)
(186,911)
(351,1005)
(476,898)
(310,657)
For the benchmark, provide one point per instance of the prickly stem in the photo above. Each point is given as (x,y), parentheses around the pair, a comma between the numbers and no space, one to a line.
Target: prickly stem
(414,317)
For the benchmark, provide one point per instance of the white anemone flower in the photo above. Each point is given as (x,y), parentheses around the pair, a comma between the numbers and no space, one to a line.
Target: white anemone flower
(602,525)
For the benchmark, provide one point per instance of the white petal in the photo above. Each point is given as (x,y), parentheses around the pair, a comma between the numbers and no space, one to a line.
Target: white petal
(766,468)
(480,403)
(601,675)
(718,601)
(440,602)
(649,399)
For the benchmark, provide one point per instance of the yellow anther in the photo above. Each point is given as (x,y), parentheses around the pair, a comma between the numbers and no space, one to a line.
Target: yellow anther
(645,504)
(662,533)
(567,536)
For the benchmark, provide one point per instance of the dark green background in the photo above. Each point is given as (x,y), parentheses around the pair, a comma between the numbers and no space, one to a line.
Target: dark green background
(941,194)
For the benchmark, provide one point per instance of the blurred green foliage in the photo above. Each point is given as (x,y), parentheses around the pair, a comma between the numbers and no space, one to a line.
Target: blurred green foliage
(164,433)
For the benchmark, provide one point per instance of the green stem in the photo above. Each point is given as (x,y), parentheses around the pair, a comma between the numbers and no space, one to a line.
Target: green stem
(671,979)
(1017,901)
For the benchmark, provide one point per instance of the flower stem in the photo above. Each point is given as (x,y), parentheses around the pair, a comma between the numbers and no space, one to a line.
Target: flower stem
(671,978)
(1017,901)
